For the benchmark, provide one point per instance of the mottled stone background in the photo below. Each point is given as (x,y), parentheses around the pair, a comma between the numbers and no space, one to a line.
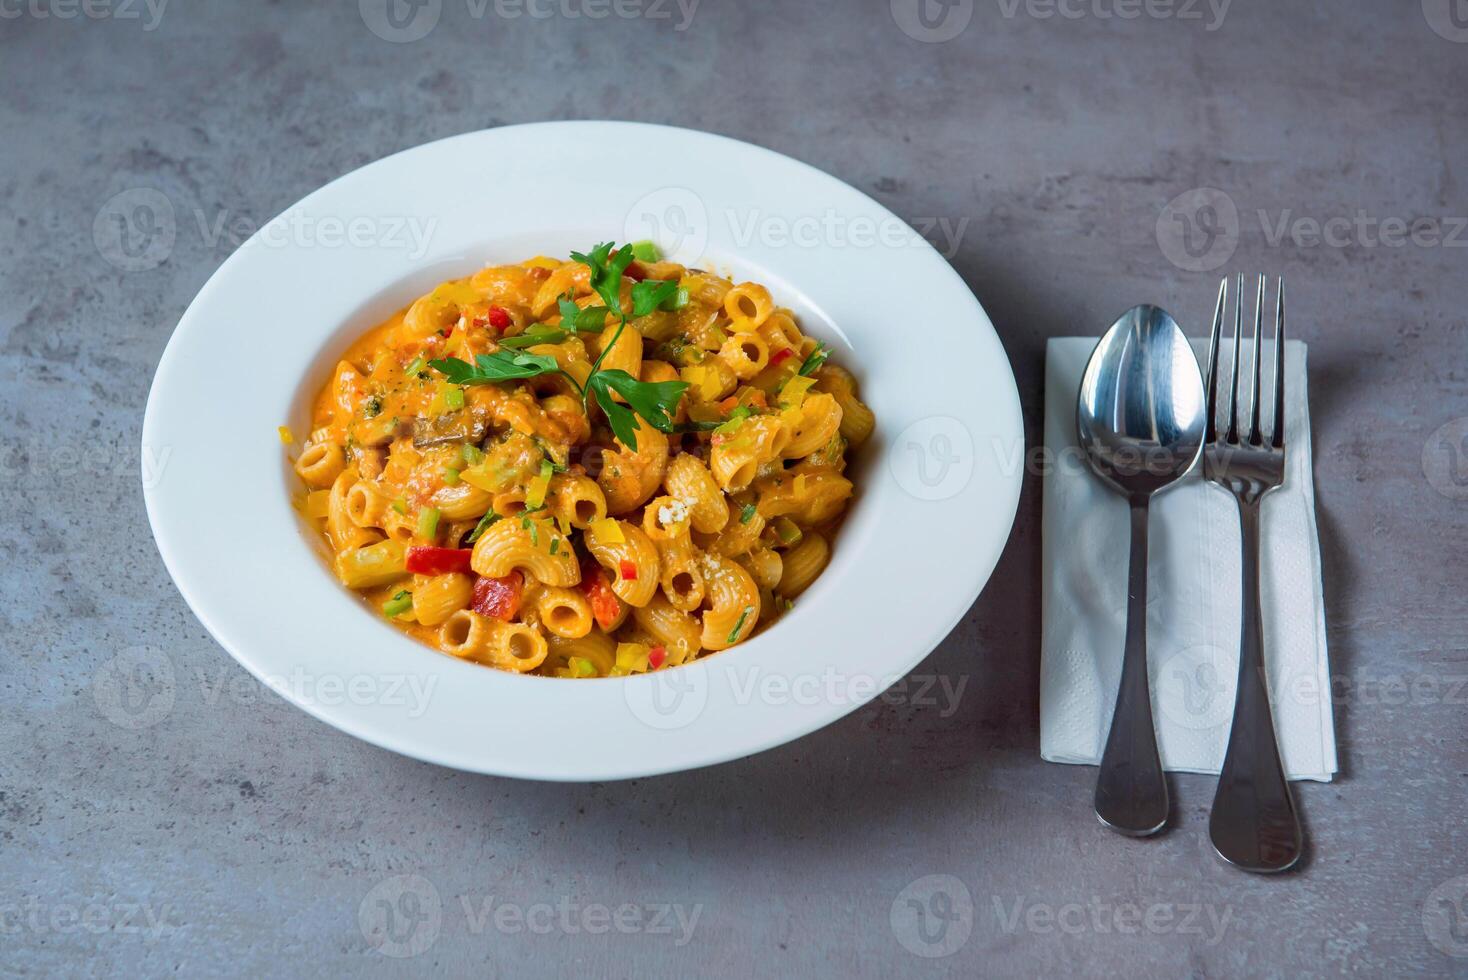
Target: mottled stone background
(161,812)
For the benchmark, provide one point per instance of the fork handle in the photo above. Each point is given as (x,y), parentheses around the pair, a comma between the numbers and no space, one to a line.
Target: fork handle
(1254,825)
(1131,789)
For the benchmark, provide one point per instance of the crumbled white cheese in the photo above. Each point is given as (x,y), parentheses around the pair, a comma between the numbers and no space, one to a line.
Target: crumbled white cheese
(674,513)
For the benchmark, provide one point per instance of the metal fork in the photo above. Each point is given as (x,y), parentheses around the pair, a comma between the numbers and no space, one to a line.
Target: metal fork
(1254,825)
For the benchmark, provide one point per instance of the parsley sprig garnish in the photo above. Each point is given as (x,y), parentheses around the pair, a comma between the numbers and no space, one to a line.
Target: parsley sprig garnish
(656,401)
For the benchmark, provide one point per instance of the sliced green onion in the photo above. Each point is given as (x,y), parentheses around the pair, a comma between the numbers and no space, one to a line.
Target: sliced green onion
(646,251)
(489,518)
(414,366)
(680,298)
(731,424)
(471,453)
(398,604)
(555,545)
(454,398)
(450,477)
(747,513)
(428,523)
(734,633)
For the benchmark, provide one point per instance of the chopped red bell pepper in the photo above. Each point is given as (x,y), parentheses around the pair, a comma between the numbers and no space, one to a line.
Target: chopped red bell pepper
(628,570)
(498,598)
(779,356)
(499,318)
(656,657)
(606,608)
(438,561)
(635,271)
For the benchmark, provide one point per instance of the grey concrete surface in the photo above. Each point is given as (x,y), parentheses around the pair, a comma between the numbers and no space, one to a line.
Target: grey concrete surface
(162,813)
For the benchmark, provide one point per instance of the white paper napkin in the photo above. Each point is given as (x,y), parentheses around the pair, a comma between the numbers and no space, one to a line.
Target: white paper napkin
(1193,594)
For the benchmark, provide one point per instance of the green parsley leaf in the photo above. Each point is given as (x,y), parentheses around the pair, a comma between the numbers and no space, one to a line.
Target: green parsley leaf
(652,294)
(593,319)
(607,268)
(502,365)
(815,360)
(538,334)
(622,419)
(655,401)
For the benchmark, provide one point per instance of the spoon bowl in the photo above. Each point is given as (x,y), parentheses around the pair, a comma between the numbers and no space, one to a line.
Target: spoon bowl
(1141,421)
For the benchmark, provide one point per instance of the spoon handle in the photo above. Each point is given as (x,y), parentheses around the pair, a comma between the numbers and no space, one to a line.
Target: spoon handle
(1131,790)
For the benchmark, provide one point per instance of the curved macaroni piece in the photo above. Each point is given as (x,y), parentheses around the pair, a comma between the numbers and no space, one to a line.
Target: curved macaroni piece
(802,564)
(765,566)
(343,533)
(526,545)
(624,355)
(674,629)
(627,479)
(508,646)
(735,460)
(634,553)
(746,354)
(440,308)
(734,604)
(576,499)
(565,612)
(750,302)
(857,420)
(320,463)
(596,648)
(816,420)
(690,481)
(572,277)
(366,504)
(373,565)
(807,494)
(437,597)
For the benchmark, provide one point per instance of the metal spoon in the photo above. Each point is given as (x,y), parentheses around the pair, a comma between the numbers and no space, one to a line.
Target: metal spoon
(1140,418)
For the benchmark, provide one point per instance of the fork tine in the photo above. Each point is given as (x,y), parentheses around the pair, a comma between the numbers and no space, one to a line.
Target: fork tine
(1231,434)
(1255,438)
(1212,387)
(1279,345)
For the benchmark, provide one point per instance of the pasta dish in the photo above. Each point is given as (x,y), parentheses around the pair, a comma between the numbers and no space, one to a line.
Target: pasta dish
(585,468)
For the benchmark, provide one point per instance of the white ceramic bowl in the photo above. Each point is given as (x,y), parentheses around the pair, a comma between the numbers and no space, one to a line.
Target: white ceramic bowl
(937,486)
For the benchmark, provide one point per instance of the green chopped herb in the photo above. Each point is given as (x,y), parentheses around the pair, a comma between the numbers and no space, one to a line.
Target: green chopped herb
(473,456)
(746,514)
(484,522)
(555,545)
(398,604)
(372,407)
(731,424)
(734,633)
(428,523)
(814,361)
(415,366)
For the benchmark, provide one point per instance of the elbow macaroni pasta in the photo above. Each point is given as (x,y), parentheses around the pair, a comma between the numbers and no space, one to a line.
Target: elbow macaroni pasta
(505,524)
